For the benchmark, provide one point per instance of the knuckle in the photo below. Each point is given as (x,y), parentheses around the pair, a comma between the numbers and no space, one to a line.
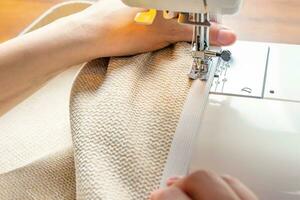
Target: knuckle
(204,174)
(229,179)
(199,177)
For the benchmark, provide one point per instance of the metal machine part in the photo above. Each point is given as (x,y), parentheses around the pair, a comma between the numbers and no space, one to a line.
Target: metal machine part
(201,53)
(200,44)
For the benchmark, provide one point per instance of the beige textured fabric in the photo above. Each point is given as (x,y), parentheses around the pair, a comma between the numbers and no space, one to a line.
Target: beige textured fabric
(123,118)
(50,178)
(36,154)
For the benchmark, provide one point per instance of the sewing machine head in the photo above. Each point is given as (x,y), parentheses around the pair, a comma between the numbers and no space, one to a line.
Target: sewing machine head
(222,7)
(196,13)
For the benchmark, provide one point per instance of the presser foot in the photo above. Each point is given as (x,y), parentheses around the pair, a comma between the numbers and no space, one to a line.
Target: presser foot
(200,67)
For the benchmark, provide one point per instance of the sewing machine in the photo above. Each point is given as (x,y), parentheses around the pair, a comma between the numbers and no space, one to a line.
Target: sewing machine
(196,13)
(250,127)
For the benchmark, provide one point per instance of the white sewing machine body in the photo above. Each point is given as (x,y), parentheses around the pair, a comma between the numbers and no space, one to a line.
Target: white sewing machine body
(251,128)
(191,6)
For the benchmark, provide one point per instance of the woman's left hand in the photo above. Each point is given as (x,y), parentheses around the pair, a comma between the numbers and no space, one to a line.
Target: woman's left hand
(110,26)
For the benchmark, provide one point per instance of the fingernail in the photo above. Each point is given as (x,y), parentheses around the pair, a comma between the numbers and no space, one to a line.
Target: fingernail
(229,179)
(226,37)
(172,180)
(225,176)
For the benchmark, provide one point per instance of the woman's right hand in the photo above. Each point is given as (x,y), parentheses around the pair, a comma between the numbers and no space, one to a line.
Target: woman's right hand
(204,185)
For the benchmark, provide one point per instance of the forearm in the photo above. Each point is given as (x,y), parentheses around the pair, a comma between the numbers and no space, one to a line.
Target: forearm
(29,60)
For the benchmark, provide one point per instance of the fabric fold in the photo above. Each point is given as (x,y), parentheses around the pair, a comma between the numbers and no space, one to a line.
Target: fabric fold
(51,178)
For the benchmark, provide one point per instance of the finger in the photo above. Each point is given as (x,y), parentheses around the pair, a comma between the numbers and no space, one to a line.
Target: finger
(219,35)
(170,193)
(173,180)
(206,185)
(239,188)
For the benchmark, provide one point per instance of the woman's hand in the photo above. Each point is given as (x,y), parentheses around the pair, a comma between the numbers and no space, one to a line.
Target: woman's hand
(110,25)
(204,185)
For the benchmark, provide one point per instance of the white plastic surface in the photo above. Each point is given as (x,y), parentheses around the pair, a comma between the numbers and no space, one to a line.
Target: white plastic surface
(244,74)
(255,140)
(283,78)
(192,6)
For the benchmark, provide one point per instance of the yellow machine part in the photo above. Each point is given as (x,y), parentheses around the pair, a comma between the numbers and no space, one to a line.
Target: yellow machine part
(146,18)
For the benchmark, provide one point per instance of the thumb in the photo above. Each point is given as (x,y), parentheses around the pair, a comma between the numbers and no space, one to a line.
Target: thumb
(219,35)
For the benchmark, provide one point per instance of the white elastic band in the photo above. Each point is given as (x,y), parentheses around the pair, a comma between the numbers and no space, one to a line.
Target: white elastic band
(188,127)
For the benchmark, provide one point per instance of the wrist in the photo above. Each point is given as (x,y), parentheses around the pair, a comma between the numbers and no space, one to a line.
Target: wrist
(78,37)
(87,34)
